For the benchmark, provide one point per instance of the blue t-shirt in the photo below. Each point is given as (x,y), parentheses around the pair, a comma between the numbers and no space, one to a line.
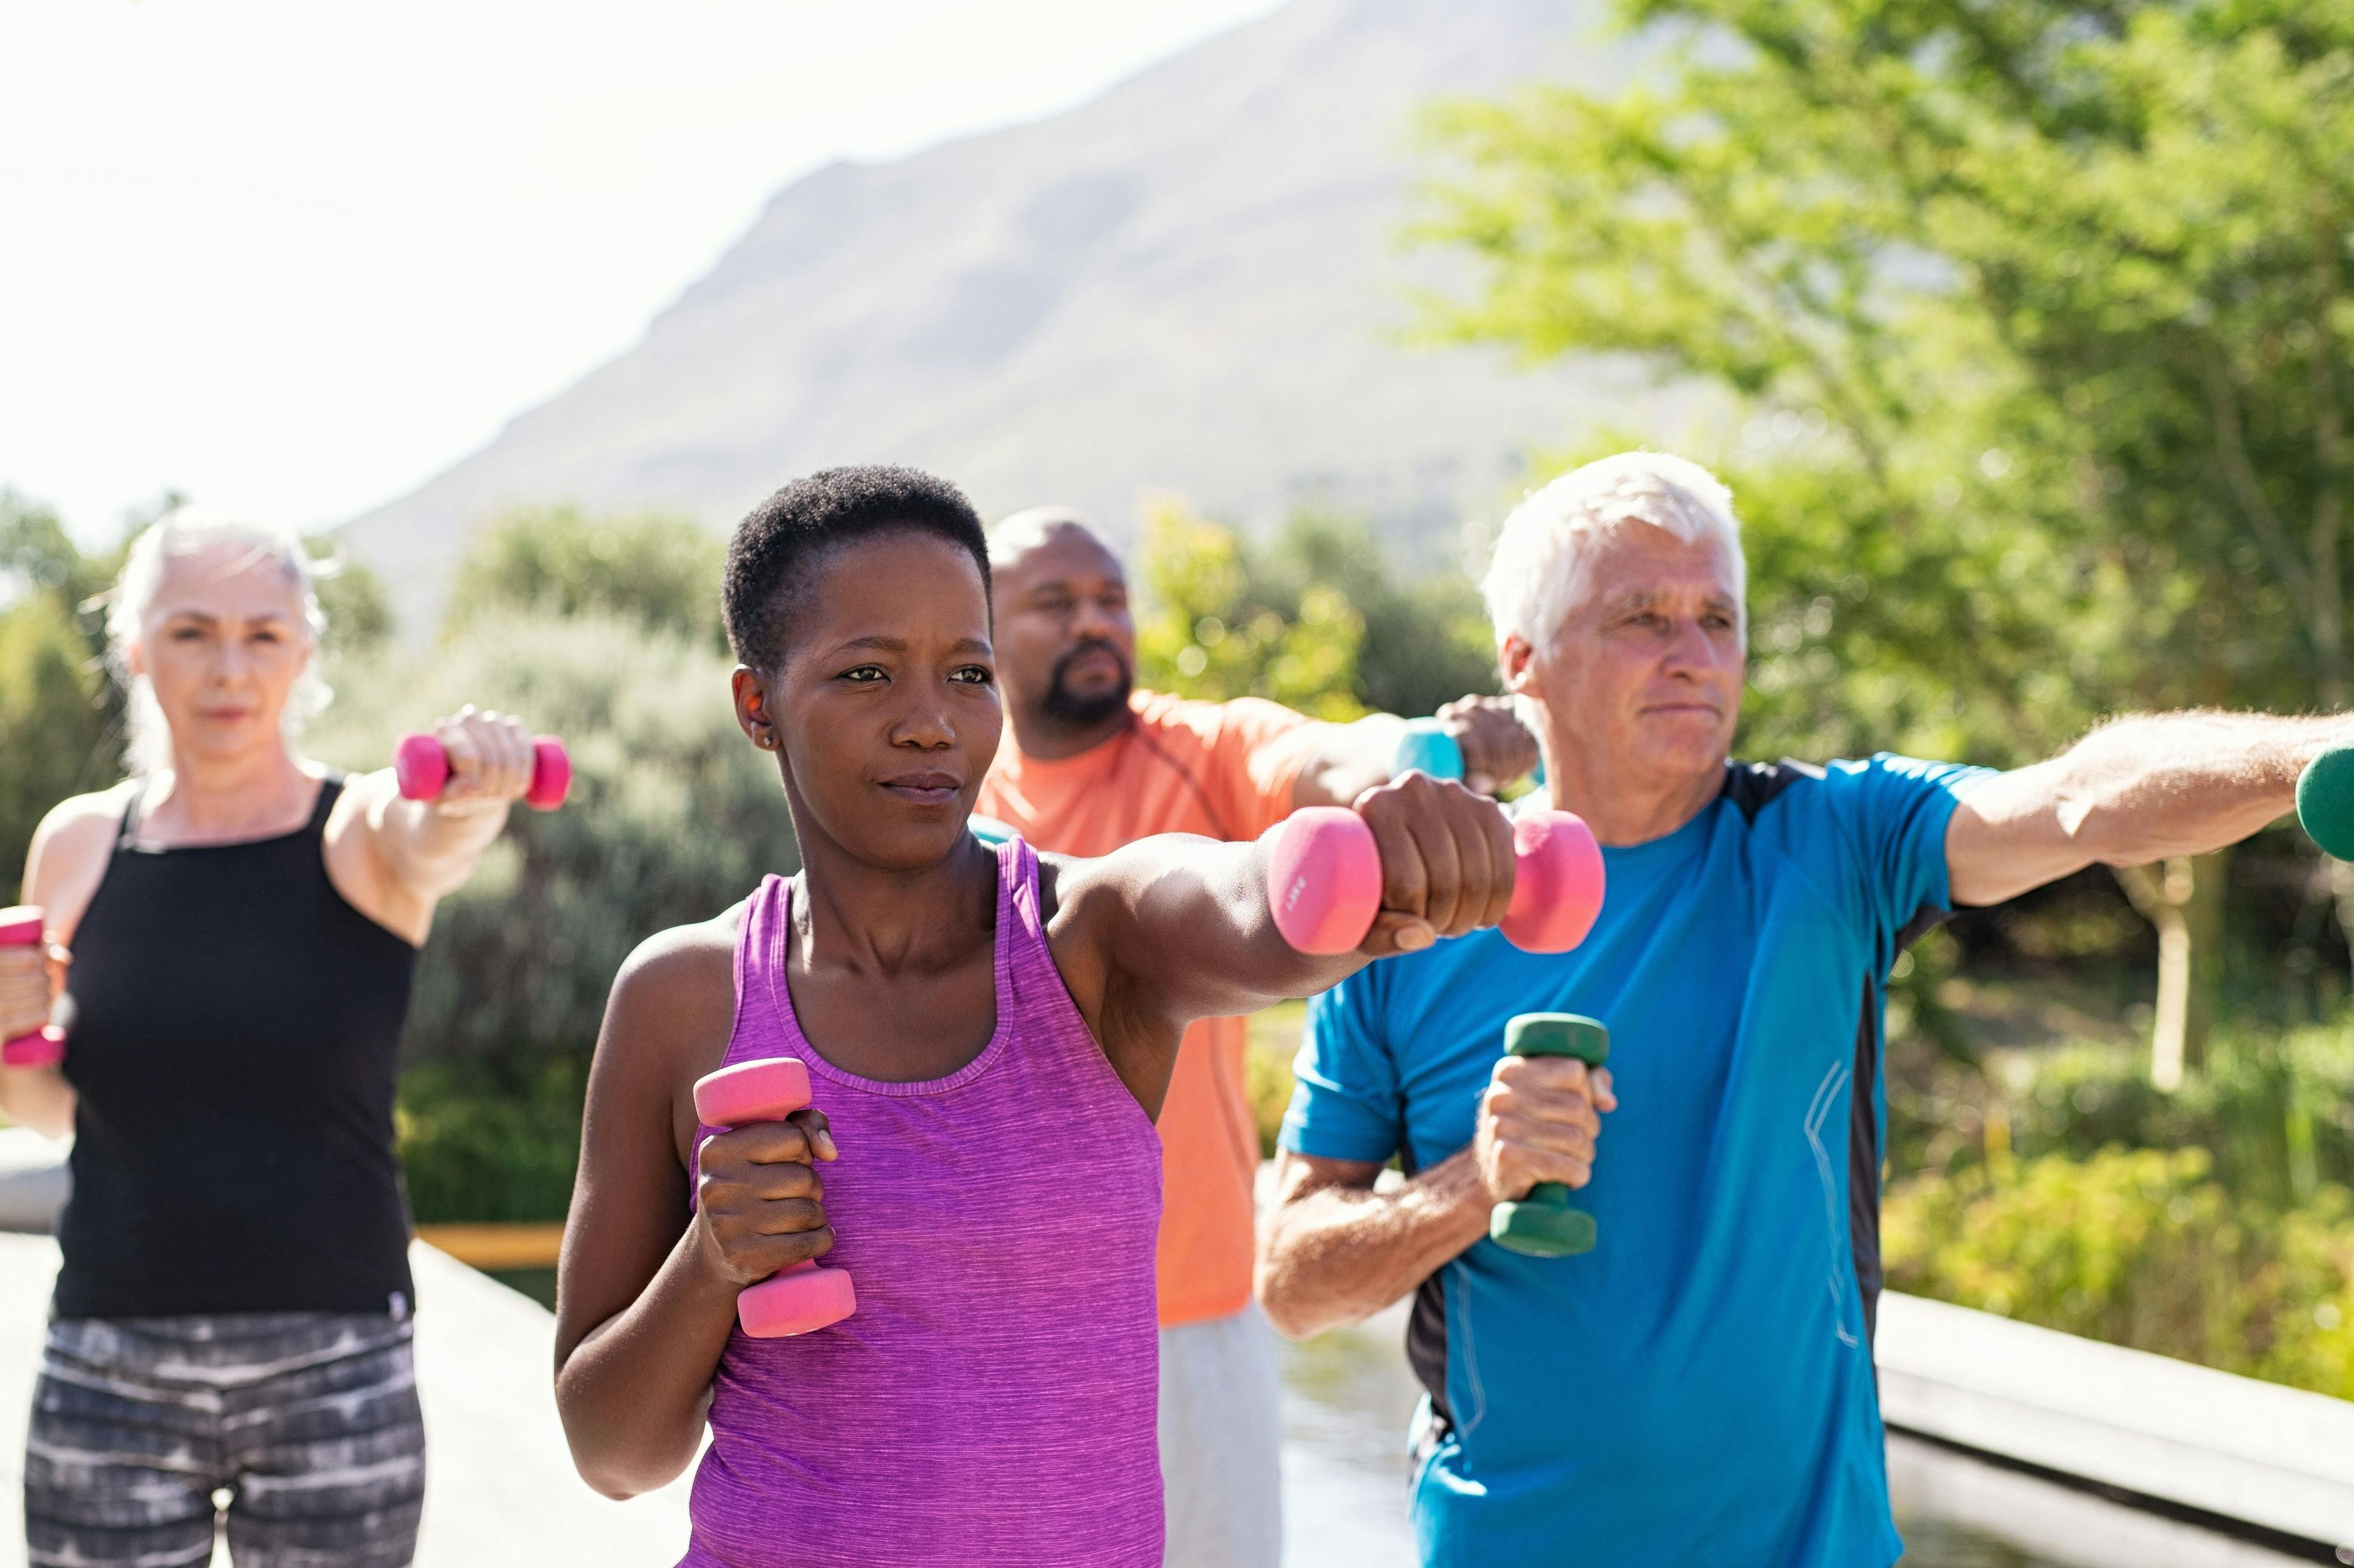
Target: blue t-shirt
(1698,1388)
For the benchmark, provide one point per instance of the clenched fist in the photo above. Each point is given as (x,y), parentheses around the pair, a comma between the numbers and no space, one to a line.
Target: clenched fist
(489,757)
(1496,747)
(1447,862)
(31,976)
(760,1201)
(1539,1117)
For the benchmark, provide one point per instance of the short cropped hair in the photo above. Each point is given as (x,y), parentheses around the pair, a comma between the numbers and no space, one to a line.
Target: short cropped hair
(780,544)
(1543,556)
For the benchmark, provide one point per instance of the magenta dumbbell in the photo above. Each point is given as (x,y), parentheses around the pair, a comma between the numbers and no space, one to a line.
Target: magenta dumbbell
(22,926)
(806,1297)
(1324,880)
(423,768)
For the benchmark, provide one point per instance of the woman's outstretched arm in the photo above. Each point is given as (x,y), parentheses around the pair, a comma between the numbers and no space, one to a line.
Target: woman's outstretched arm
(1172,928)
(395,858)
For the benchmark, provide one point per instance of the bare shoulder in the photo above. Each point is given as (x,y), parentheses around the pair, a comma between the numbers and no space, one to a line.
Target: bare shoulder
(685,975)
(83,822)
(71,847)
(1081,898)
(671,1012)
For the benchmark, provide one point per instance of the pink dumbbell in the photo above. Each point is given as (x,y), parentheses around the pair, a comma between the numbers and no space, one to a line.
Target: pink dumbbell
(806,1297)
(21,927)
(423,768)
(1324,880)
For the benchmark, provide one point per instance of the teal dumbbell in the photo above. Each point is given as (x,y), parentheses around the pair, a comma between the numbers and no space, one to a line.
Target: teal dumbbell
(1428,748)
(2325,801)
(1542,1224)
(989,829)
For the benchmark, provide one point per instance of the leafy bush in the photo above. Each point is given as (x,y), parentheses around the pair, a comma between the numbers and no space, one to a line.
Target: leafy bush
(2141,1248)
(492,1140)
(660,571)
(2275,1111)
(59,718)
(673,817)
(54,711)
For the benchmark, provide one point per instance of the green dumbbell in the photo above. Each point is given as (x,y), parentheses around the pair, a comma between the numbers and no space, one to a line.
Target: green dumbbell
(2325,801)
(1542,1224)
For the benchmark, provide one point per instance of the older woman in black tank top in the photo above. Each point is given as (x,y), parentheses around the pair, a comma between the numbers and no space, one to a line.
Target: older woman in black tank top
(233,931)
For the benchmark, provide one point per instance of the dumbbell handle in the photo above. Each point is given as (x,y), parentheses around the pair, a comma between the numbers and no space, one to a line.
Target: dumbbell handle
(804,1296)
(1593,1048)
(1542,1224)
(1427,747)
(421,767)
(24,927)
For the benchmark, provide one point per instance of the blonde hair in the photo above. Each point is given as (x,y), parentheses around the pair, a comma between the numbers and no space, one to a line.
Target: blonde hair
(1541,562)
(189,531)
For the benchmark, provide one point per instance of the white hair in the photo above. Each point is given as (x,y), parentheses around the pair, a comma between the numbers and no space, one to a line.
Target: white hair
(1543,554)
(189,531)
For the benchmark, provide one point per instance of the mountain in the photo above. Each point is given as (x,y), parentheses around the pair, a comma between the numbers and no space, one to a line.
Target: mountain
(1194,283)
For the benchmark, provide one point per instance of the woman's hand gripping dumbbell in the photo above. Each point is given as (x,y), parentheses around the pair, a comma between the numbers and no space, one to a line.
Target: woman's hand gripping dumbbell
(760,1201)
(478,751)
(1341,879)
(27,1037)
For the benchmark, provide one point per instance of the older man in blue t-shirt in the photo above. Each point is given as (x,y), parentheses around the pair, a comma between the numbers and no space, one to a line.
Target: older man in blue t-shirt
(1698,1388)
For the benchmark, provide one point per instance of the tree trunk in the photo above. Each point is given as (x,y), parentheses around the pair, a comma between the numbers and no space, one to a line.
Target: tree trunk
(2183,897)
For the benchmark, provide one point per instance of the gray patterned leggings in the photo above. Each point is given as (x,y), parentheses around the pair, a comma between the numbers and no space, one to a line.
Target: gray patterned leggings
(301,1428)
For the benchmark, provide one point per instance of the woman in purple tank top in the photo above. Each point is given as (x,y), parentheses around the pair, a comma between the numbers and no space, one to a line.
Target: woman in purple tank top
(987,1034)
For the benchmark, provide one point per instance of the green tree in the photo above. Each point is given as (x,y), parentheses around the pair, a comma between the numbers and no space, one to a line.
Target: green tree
(1313,620)
(1426,643)
(54,712)
(2035,320)
(57,712)
(658,570)
(1209,629)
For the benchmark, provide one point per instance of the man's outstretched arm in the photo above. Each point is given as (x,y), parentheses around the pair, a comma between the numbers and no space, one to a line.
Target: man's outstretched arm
(1350,759)
(2135,790)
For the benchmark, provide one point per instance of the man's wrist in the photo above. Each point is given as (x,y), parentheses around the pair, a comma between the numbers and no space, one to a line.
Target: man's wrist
(1454,1188)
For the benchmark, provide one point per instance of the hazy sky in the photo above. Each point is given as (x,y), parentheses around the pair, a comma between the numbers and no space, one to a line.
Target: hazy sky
(292,257)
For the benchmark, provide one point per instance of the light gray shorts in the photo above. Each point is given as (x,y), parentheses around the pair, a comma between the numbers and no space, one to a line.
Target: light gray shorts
(1221,1442)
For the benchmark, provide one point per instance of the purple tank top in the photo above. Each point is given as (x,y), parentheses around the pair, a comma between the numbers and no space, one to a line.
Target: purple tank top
(993,1400)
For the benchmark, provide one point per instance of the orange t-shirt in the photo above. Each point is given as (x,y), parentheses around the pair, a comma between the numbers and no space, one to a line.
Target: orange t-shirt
(1224,770)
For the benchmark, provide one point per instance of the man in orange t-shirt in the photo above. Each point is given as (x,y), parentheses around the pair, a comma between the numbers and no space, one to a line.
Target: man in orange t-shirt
(1090,764)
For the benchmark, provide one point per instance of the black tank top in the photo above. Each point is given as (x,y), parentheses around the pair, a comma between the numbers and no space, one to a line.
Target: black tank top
(232,1031)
